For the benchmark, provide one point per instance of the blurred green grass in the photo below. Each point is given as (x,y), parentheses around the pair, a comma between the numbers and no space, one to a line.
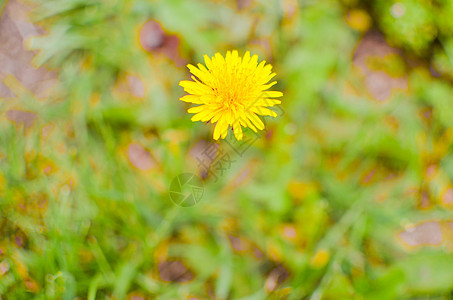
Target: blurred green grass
(312,210)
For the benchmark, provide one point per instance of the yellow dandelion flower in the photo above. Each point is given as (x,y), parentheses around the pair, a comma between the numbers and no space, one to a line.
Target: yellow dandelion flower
(231,91)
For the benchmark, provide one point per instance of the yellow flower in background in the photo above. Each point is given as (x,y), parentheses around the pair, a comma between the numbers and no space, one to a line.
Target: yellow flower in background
(320,259)
(231,91)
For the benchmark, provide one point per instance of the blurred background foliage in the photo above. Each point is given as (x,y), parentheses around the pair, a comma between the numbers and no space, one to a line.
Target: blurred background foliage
(347,195)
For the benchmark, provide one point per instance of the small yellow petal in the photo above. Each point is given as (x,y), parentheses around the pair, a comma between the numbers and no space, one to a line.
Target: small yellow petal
(195,88)
(208,62)
(224,130)
(250,125)
(231,118)
(255,120)
(196,109)
(253,62)
(237,129)
(263,111)
(203,76)
(246,58)
(192,99)
(219,59)
(201,115)
(202,68)
(228,57)
(267,86)
(218,129)
(266,102)
(217,117)
(235,57)
(272,94)
(266,78)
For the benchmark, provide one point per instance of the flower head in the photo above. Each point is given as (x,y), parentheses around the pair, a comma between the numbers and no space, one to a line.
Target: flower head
(231,91)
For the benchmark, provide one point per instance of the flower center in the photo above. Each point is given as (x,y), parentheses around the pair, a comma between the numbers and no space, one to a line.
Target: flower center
(235,88)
